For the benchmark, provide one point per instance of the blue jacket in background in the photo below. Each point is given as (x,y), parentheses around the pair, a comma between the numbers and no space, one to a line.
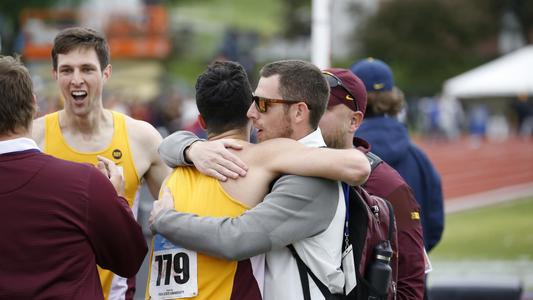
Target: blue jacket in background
(391,142)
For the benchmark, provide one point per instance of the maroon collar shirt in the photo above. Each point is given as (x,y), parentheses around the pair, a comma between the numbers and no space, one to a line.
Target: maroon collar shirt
(58,220)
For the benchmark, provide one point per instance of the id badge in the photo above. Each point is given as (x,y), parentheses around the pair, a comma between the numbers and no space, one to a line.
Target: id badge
(174,271)
(348,267)
(427,263)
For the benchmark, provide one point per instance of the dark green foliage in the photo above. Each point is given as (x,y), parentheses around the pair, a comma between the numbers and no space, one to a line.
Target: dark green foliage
(296,18)
(427,41)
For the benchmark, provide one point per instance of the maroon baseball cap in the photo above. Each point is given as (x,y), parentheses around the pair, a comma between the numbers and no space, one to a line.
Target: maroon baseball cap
(346,88)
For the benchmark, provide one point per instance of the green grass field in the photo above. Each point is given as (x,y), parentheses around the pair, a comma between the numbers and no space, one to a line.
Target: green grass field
(501,232)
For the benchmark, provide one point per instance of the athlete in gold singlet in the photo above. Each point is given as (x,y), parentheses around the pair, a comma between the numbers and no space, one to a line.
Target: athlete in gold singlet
(84,129)
(118,151)
(215,278)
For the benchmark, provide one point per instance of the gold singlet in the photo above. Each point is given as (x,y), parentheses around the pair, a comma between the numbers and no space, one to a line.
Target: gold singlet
(216,279)
(119,152)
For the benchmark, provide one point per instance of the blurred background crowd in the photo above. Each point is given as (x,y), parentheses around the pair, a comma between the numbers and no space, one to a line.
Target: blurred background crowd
(159,47)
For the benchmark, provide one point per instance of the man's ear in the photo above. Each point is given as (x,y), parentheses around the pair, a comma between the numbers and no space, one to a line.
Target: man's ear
(54,74)
(301,111)
(106,73)
(356,118)
(201,121)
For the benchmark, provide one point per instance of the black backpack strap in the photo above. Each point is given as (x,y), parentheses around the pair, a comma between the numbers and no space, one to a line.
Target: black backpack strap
(391,220)
(303,269)
(373,159)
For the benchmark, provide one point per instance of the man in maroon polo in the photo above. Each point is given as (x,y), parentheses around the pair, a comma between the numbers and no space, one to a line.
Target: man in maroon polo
(58,218)
(344,114)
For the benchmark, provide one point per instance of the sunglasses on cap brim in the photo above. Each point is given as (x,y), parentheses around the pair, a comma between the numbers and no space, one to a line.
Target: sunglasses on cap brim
(334,81)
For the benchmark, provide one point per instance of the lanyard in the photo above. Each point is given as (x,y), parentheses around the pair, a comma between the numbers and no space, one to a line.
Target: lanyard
(346,189)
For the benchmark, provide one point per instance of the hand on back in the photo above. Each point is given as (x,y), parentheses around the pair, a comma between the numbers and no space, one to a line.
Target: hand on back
(165,202)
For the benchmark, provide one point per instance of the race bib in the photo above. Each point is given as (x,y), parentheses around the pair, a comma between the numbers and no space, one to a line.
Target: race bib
(174,271)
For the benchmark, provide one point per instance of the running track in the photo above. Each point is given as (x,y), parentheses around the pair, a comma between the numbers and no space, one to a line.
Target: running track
(467,169)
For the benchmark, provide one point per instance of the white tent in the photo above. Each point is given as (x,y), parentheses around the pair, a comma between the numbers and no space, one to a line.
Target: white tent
(507,76)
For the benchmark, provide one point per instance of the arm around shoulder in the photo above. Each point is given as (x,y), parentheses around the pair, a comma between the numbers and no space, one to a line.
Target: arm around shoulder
(172,148)
(290,157)
(352,166)
(211,158)
(223,237)
(297,208)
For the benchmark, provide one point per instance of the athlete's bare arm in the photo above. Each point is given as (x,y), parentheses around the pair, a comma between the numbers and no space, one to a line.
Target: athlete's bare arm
(144,140)
(350,166)
(271,159)
(217,162)
(165,201)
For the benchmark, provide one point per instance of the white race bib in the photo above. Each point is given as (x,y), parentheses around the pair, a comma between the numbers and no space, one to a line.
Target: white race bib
(174,272)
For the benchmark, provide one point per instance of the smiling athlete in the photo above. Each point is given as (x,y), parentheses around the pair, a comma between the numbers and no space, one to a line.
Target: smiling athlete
(84,129)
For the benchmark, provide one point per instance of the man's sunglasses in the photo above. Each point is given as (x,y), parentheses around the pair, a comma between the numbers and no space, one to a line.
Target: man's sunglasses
(262,103)
(334,81)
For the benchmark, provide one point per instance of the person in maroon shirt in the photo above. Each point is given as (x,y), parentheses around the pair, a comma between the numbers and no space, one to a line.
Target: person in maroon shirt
(338,125)
(58,218)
